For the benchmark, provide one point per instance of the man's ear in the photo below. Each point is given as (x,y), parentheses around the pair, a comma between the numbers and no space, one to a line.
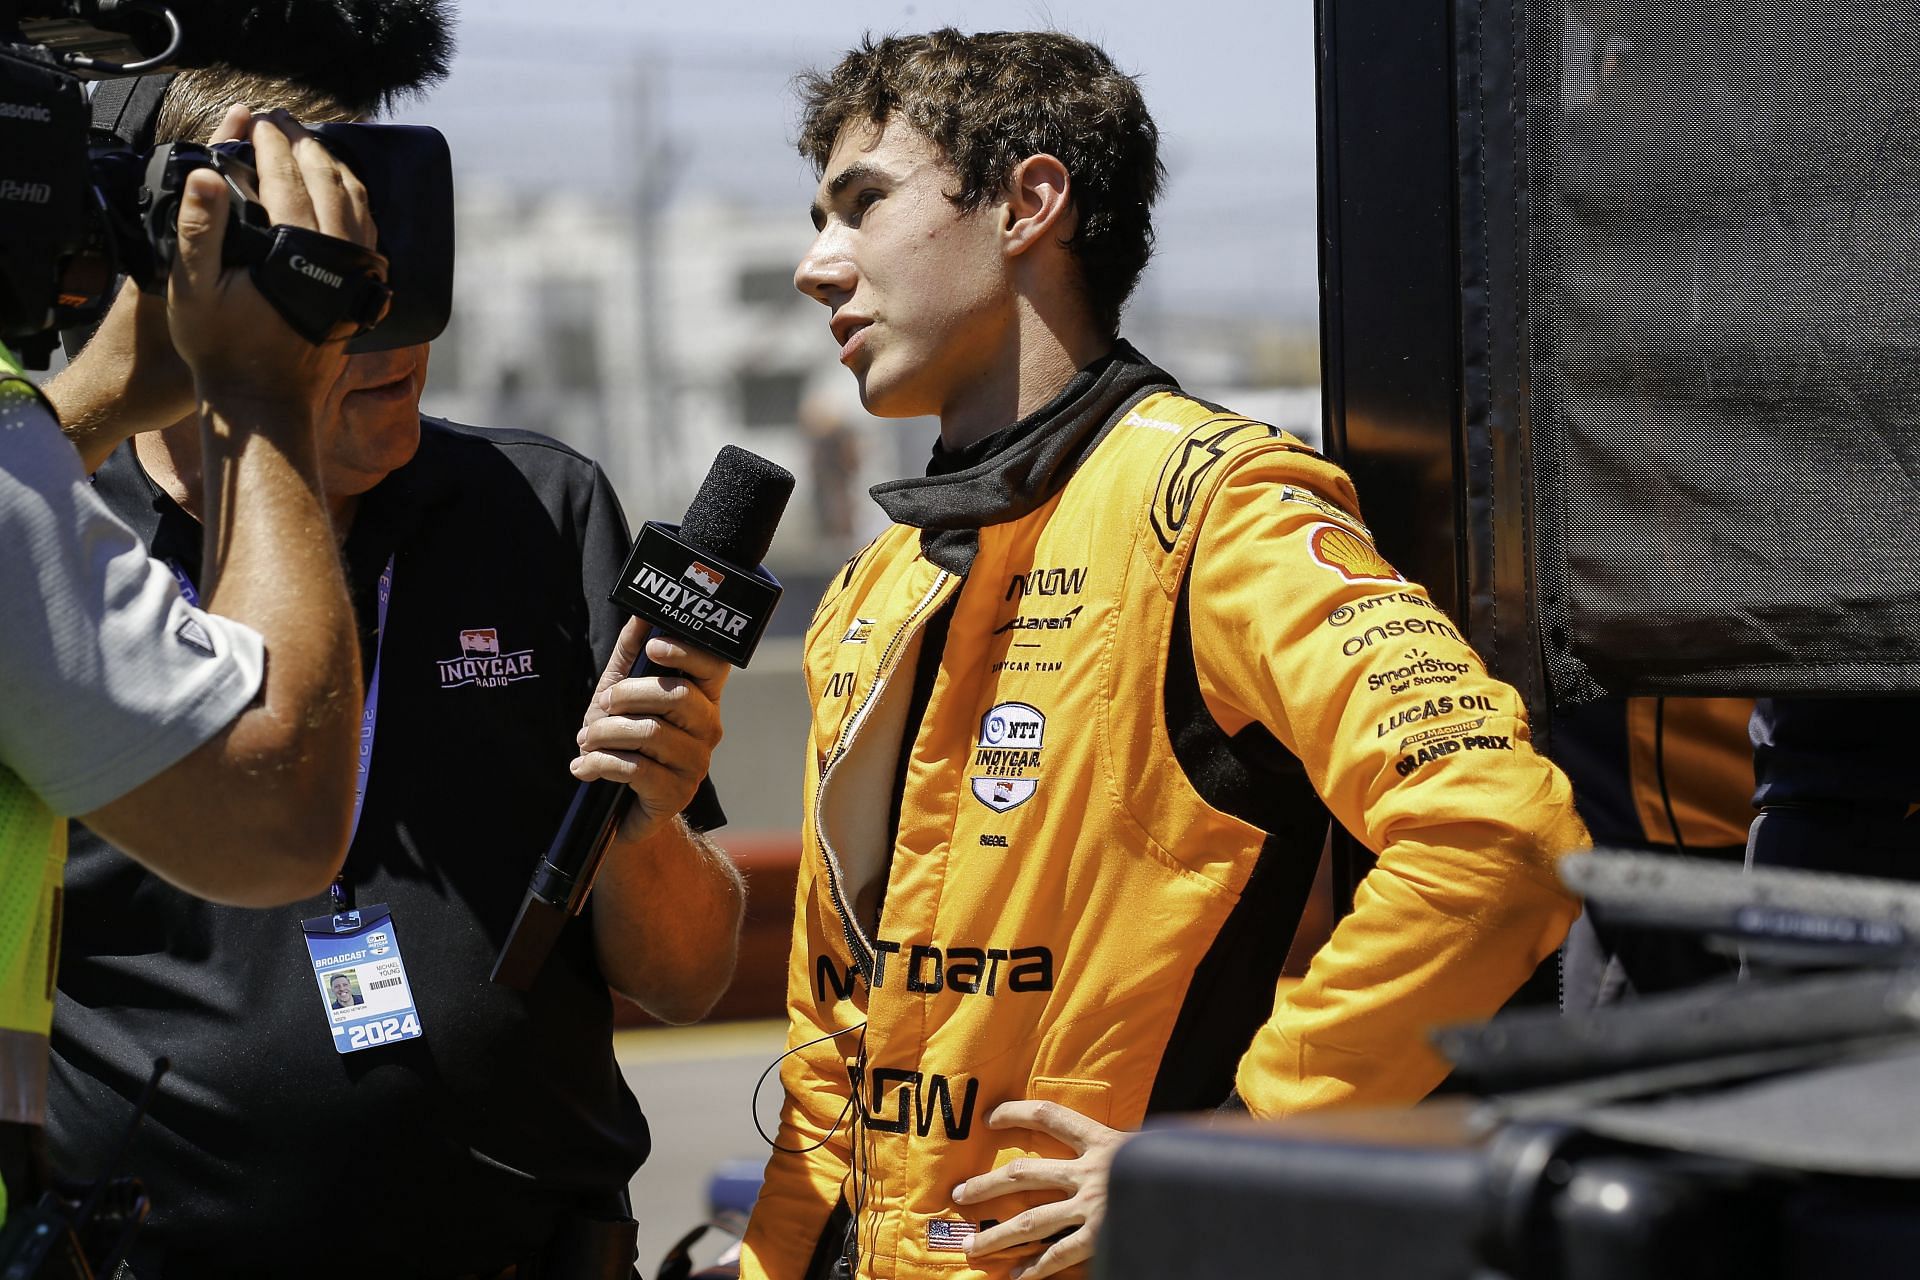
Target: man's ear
(1038,202)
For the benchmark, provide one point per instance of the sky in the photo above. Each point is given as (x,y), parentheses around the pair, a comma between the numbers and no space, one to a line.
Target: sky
(573,93)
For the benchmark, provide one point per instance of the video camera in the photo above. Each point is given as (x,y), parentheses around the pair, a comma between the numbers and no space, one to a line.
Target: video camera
(80,207)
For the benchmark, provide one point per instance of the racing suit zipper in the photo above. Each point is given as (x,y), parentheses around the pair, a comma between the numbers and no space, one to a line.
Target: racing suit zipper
(858,947)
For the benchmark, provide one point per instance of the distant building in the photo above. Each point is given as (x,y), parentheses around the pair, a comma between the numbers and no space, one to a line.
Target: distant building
(649,345)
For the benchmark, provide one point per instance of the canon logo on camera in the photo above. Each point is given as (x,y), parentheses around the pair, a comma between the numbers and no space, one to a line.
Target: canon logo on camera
(314,271)
(25,111)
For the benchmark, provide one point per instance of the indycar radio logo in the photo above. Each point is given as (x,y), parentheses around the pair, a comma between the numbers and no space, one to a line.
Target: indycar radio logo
(1006,760)
(483,664)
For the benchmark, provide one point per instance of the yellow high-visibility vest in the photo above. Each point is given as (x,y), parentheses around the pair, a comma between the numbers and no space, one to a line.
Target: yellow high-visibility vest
(33,856)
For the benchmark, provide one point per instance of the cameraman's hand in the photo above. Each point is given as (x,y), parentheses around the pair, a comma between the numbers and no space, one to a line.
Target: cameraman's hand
(130,379)
(233,340)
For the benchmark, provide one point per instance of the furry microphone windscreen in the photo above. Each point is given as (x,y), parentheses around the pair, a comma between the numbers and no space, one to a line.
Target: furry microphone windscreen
(366,53)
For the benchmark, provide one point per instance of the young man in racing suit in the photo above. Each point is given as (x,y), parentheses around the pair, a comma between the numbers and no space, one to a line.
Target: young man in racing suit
(1081,713)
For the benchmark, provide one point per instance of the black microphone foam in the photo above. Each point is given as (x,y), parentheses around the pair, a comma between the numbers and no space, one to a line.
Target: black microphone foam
(739,505)
(365,53)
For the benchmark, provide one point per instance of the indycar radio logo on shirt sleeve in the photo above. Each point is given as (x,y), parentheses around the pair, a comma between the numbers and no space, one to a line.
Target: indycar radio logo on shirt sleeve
(1006,760)
(482,663)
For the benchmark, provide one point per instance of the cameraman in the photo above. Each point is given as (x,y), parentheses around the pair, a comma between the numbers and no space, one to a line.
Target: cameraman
(499,1137)
(162,724)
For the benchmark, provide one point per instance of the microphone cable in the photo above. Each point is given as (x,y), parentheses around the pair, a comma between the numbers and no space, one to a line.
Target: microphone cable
(859,1162)
(853,1092)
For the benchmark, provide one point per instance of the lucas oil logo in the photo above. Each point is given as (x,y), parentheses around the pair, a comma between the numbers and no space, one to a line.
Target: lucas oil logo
(482,663)
(1006,760)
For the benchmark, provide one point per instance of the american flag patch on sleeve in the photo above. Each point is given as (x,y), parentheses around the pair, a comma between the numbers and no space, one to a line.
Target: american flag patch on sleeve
(944,1233)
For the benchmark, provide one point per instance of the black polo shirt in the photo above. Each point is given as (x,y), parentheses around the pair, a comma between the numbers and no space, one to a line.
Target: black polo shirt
(268,1152)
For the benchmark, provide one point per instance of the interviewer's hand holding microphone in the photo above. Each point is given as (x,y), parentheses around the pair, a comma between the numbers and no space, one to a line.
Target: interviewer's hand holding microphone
(654,734)
(637,820)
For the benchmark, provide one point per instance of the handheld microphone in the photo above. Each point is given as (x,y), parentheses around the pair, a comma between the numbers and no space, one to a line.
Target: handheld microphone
(698,585)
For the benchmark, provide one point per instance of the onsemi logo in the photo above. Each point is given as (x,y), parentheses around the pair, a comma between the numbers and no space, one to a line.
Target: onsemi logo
(1392,629)
(1006,760)
(482,663)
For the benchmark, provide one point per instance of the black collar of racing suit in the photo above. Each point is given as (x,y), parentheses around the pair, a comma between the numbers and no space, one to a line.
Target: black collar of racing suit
(1018,468)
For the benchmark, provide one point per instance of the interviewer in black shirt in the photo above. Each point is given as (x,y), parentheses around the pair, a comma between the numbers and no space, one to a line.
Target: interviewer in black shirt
(469,1150)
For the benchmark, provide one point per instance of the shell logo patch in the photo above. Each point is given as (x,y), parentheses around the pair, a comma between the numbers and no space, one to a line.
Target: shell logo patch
(1006,760)
(1351,556)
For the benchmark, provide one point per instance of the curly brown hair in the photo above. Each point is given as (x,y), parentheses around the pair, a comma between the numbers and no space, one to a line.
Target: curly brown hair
(989,101)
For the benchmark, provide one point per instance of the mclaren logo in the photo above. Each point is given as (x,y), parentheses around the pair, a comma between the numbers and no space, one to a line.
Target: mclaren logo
(1041,622)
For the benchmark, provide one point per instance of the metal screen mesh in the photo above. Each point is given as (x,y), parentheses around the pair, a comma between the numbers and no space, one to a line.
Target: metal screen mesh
(1724,343)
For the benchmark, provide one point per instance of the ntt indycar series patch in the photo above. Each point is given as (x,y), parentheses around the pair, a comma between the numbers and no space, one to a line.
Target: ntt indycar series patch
(363,981)
(1006,759)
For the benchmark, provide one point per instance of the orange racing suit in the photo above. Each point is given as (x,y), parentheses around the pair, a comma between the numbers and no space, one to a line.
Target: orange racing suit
(1078,719)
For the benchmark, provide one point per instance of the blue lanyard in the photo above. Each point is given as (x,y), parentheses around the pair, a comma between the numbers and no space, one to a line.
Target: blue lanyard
(369,718)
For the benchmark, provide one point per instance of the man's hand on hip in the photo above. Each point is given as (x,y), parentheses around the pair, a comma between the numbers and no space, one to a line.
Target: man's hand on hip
(1075,1218)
